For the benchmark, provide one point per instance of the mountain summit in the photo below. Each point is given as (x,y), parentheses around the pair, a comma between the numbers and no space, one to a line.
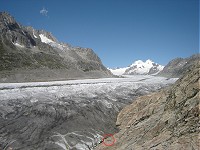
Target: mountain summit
(27,54)
(139,68)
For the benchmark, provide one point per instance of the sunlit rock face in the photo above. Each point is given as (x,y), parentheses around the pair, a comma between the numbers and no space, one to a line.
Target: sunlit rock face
(179,66)
(168,119)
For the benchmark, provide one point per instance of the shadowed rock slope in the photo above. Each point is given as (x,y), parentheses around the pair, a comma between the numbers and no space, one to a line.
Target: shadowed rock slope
(27,54)
(168,119)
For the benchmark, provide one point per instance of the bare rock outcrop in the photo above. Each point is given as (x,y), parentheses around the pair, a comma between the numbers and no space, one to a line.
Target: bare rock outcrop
(168,119)
(27,54)
(179,66)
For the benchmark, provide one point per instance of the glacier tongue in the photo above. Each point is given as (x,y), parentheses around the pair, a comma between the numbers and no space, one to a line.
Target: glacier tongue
(67,114)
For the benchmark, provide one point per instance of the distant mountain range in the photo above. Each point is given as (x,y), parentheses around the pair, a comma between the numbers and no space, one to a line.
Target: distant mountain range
(175,68)
(27,54)
(139,68)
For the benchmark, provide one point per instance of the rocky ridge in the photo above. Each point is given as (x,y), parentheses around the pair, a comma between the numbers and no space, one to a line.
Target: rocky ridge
(179,66)
(27,54)
(168,119)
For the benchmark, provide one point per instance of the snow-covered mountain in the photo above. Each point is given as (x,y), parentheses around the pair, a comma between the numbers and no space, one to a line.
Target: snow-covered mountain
(139,67)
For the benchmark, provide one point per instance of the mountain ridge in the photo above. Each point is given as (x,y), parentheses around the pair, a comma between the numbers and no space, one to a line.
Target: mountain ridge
(36,55)
(179,66)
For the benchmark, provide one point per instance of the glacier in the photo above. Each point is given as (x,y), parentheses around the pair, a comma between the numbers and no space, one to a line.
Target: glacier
(67,114)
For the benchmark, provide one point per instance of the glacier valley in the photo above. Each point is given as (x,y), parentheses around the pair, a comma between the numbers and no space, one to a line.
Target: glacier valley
(73,114)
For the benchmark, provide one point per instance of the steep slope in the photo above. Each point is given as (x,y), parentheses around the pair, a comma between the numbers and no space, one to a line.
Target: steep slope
(168,119)
(139,68)
(179,66)
(27,54)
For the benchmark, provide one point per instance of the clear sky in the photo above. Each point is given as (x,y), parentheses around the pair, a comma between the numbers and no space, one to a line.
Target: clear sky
(119,31)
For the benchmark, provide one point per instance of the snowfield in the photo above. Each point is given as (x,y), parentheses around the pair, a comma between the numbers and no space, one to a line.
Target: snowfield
(69,114)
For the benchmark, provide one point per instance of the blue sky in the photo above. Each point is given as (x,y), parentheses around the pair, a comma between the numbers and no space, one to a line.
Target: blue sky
(119,31)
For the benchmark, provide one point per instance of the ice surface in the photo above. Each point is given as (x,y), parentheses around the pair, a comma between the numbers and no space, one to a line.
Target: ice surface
(77,87)
(80,98)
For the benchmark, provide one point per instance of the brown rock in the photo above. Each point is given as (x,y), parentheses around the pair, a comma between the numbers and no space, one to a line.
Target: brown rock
(168,119)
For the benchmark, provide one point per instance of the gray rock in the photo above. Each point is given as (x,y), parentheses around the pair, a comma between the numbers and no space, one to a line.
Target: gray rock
(23,55)
(164,120)
(179,66)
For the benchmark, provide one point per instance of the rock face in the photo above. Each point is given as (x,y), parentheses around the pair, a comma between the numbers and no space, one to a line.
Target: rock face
(179,66)
(27,54)
(168,119)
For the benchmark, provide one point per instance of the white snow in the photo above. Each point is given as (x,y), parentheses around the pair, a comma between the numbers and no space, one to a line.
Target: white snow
(118,71)
(81,147)
(34,35)
(46,40)
(86,88)
(138,67)
(62,145)
(17,44)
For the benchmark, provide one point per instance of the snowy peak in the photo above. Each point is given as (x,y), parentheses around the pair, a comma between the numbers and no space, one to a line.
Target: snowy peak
(141,63)
(140,67)
(147,67)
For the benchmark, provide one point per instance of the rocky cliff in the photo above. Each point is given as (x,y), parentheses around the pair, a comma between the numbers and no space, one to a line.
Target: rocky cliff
(168,119)
(179,66)
(27,54)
